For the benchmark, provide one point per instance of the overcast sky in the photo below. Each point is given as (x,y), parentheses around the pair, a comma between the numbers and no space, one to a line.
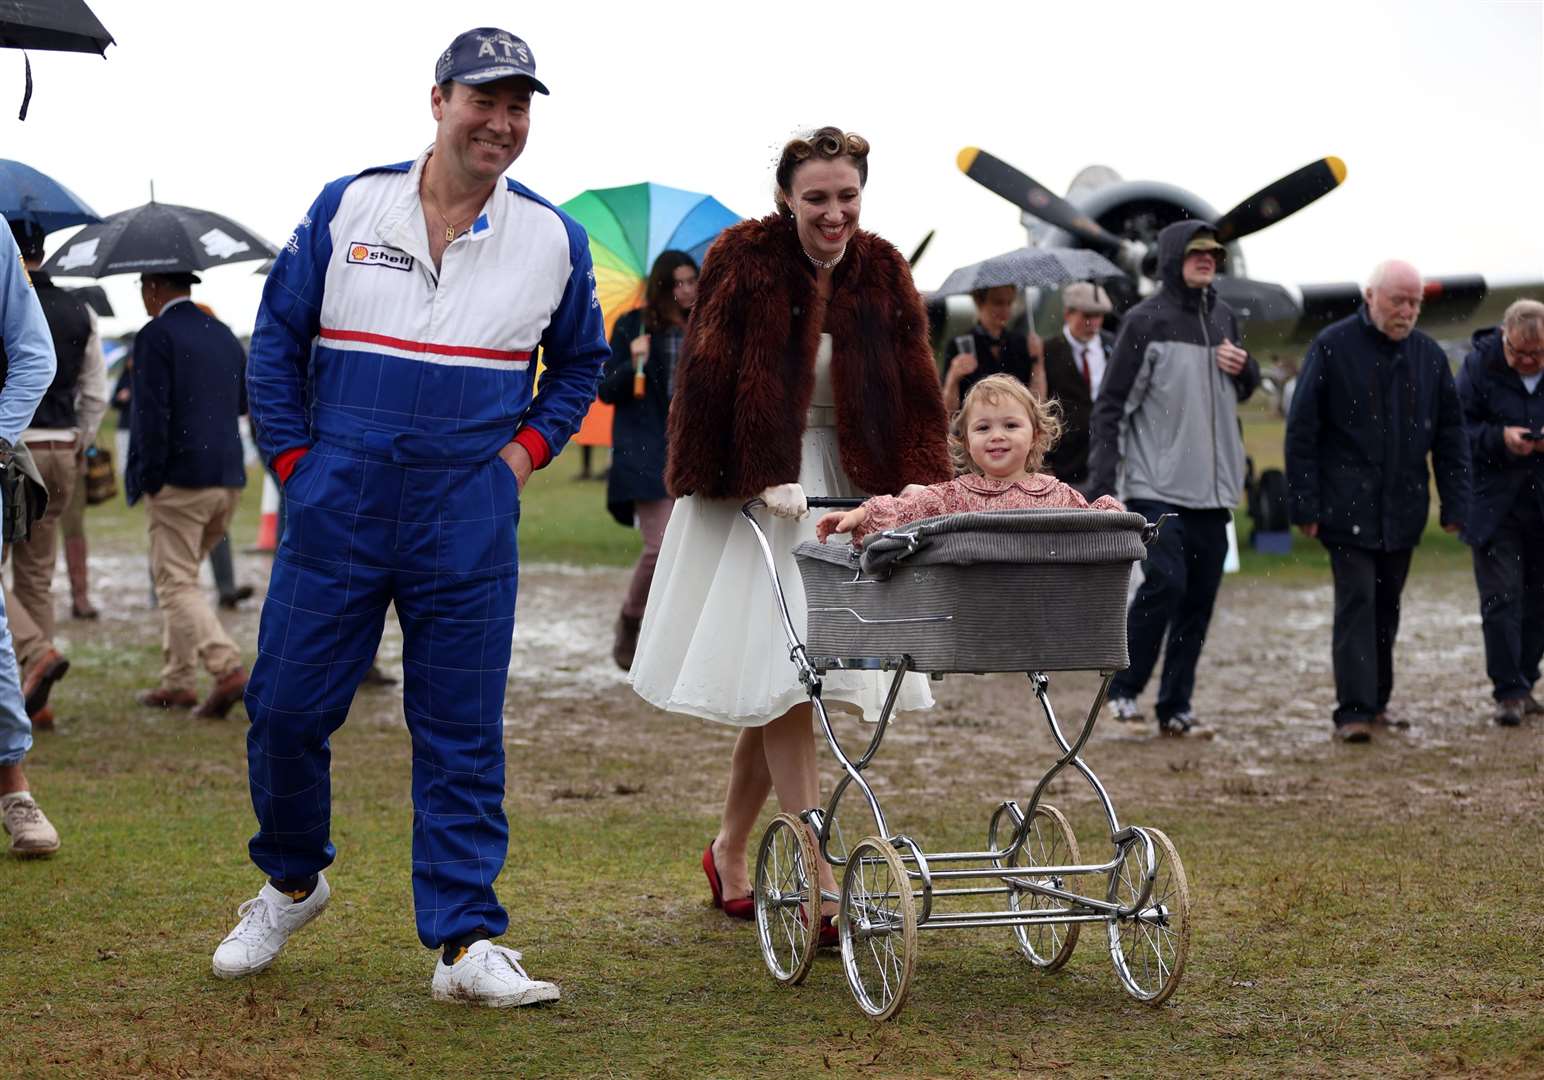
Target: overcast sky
(1437,108)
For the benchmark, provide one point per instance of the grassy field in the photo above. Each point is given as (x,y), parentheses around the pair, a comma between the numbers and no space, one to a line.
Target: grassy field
(1354,915)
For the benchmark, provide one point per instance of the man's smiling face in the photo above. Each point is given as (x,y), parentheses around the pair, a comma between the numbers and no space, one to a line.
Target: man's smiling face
(482,129)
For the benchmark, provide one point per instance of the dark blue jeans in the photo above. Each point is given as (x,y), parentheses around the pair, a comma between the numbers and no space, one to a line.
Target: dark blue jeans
(1180,579)
(1509,572)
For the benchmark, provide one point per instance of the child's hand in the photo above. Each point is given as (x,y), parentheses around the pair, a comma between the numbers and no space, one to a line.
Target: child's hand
(839,521)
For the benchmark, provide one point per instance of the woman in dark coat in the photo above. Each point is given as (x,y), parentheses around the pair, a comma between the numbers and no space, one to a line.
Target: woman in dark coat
(806,370)
(637,382)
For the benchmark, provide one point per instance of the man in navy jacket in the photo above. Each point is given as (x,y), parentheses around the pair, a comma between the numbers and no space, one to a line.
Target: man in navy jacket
(185,459)
(1503,408)
(1374,398)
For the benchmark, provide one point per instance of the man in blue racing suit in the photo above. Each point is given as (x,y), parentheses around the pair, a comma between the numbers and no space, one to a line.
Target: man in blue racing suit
(391,386)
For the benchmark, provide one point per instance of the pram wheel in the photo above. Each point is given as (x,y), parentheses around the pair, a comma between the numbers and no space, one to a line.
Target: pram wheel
(878,928)
(1149,947)
(786,889)
(1050,842)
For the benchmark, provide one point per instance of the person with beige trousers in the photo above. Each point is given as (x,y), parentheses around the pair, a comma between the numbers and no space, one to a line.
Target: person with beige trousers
(185,459)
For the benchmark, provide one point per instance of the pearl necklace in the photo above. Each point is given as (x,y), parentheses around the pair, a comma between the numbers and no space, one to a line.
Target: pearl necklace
(822,263)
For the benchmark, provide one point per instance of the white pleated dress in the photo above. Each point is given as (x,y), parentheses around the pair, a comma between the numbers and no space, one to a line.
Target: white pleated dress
(712,643)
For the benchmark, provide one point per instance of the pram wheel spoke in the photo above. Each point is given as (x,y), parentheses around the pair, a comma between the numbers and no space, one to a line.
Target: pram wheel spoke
(878,928)
(1150,945)
(1049,842)
(786,900)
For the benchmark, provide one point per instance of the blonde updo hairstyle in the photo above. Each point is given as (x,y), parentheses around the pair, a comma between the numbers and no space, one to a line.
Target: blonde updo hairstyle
(825,144)
(1044,415)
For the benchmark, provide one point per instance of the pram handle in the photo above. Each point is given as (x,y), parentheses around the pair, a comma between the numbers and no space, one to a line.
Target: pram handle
(818,502)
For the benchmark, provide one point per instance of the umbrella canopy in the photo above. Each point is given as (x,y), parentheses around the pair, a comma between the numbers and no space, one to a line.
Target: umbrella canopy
(629,226)
(1030,268)
(157,238)
(52,26)
(28,195)
(96,296)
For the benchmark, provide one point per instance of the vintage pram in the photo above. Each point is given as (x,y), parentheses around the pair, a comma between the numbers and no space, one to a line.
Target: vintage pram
(1007,591)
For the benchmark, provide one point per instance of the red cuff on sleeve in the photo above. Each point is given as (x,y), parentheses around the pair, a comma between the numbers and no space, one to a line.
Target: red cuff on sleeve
(534,445)
(284,463)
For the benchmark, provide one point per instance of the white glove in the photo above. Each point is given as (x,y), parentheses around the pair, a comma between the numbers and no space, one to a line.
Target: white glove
(786,500)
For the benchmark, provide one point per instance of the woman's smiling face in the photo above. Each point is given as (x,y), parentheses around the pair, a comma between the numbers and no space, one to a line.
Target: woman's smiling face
(826,198)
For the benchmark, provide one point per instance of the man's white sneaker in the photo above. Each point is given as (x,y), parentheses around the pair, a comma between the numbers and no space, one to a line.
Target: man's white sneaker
(1126,710)
(267,921)
(491,975)
(32,836)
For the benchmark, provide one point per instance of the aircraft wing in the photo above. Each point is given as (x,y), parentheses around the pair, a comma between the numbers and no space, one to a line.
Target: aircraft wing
(1284,319)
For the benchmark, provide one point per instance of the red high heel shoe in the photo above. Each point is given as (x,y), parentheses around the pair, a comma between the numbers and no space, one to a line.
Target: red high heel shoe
(742,907)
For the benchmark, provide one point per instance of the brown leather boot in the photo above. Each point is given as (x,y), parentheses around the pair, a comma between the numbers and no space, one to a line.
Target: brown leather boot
(163,698)
(75,561)
(228,690)
(40,679)
(625,644)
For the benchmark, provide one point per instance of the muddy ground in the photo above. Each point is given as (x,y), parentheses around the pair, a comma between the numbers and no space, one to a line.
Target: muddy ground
(575,731)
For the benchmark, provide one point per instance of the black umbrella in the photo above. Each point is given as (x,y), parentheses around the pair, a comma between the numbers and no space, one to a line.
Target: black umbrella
(1030,268)
(50,26)
(96,296)
(157,238)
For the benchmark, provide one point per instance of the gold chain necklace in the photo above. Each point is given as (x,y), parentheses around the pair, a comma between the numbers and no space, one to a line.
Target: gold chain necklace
(450,229)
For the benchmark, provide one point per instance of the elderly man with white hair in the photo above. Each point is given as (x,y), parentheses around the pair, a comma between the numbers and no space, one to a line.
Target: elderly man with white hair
(1374,398)
(1503,407)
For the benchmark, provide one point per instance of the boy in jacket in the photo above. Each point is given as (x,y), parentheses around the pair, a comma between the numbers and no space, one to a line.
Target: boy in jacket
(1375,396)
(1166,421)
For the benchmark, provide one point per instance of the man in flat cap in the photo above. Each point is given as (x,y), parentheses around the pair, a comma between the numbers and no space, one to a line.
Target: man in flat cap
(185,460)
(1075,360)
(393,390)
(1166,422)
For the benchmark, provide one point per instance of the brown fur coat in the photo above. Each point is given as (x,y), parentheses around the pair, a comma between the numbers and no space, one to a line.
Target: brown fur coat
(747,370)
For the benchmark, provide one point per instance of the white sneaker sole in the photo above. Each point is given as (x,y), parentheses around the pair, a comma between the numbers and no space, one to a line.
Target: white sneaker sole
(243,972)
(537,995)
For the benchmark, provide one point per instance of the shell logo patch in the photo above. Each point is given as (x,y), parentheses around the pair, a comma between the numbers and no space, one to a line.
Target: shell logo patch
(377,255)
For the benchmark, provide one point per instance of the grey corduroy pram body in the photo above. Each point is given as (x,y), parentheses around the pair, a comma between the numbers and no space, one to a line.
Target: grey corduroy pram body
(1002,590)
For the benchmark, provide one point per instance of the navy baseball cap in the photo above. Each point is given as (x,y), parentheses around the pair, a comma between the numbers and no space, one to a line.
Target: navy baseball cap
(486,54)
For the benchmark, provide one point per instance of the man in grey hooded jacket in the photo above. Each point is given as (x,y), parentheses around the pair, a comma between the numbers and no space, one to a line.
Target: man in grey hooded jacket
(1165,437)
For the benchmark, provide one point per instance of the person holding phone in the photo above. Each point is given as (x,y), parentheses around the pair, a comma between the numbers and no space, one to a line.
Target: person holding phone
(992,349)
(1503,411)
(637,382)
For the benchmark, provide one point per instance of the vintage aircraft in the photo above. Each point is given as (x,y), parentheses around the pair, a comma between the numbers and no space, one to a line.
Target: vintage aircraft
(1122,218)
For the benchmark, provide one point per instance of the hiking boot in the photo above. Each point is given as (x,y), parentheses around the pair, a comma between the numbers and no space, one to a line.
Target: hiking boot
(1354,731)
(1509,713)
(625,643)
(162,697)
(267,921)
(50,668)
(1390,721)
(1126,710)
(227,691)
(32,836)
(1184,725)
(491,975)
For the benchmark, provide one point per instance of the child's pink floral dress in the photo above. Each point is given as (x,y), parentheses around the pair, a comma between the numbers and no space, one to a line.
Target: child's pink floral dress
(974,492)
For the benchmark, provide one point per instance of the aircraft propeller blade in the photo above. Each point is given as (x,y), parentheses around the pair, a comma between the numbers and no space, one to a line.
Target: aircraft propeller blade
(1034,198)
(1281,199)
(917,254)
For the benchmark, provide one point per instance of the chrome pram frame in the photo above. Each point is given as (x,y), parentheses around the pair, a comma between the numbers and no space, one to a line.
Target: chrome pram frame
(891,888)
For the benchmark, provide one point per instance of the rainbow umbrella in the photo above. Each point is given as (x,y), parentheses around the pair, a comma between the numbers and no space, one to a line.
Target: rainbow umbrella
(629,226)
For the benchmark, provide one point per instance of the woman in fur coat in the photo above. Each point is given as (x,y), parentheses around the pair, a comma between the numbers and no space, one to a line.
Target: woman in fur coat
(806,370)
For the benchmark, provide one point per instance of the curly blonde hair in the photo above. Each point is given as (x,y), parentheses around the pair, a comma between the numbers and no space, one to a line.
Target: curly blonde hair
(1045,416)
